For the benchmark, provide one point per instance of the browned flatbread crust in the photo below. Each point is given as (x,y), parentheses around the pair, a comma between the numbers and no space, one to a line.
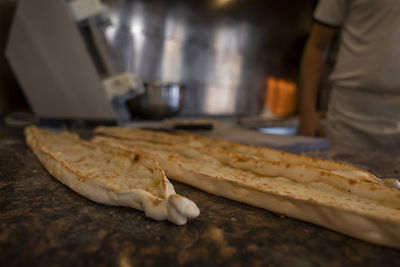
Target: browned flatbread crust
(248,150)
(110,176)
(337,196)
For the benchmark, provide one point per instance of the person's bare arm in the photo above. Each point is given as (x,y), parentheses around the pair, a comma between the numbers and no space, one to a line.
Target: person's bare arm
(311,70)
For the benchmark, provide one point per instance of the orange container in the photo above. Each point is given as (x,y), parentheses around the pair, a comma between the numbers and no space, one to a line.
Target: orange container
(280,97)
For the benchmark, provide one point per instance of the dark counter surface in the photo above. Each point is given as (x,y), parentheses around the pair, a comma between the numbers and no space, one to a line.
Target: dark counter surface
(44,223)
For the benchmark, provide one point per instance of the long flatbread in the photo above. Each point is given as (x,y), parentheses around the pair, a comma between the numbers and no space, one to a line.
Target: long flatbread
(110,176)
(354,205)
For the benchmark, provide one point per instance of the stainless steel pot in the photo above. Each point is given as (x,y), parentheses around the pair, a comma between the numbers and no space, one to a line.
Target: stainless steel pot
(159,101)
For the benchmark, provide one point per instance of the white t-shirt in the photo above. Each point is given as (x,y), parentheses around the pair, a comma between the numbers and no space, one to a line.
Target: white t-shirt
(364,107)
(369,52)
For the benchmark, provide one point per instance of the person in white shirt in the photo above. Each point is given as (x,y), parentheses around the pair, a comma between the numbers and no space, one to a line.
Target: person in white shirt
(364,104)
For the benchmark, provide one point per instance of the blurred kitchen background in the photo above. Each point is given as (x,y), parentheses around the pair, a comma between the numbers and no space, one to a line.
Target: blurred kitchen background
(234,58)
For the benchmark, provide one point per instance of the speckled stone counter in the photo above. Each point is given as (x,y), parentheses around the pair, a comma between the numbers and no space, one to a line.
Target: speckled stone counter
(44,223)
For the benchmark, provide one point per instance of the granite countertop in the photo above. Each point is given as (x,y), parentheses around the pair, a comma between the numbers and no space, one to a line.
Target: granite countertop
(42,223)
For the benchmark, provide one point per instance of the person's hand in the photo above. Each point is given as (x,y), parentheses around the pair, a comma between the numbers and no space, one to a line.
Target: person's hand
(310,125)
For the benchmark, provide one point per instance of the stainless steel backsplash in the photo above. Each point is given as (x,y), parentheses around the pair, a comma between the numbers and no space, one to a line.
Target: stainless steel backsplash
(221,50)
